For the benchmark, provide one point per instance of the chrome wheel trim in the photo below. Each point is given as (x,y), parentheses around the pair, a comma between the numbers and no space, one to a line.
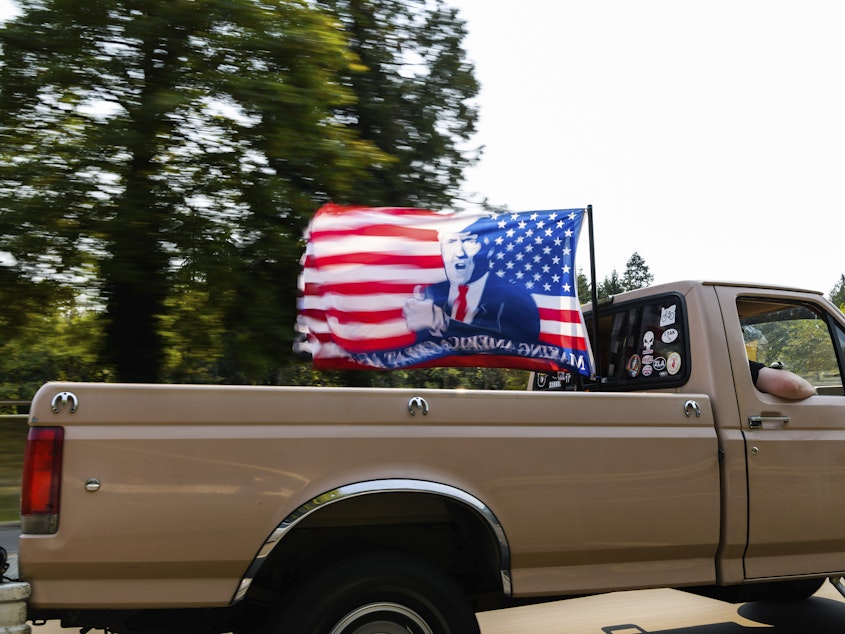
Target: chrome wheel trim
(415,623)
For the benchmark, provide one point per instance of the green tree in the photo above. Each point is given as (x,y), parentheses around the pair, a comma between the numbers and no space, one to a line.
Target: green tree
(837,293)
(56,342)
(611,285)
(21,298)
(584,287)
(151,146)
(637,274)
(414,91)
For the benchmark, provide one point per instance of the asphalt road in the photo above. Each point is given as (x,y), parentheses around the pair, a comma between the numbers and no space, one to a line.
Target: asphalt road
(9,537)
(638,612)
(670,612)
(654,612)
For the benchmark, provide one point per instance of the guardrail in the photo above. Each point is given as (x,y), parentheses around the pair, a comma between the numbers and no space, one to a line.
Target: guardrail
(13,403)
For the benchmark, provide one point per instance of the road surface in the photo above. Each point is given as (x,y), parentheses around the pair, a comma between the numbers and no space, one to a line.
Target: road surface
(651,611)
(655,612)
(9,537)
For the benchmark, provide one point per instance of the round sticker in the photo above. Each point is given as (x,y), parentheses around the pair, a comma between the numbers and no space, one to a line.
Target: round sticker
(647,370)
(673,363)
(669,335)
(659,364)
(633,365)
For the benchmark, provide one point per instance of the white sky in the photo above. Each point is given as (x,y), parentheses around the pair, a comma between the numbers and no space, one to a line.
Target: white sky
(7,9)
(708,136)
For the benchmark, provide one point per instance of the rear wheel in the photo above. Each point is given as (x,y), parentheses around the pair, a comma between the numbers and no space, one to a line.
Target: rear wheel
(384,593)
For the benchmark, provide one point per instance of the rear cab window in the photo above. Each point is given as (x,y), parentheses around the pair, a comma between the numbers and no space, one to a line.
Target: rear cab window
(641,345)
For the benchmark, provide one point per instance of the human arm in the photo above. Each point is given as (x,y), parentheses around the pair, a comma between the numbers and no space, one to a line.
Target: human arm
(783,383)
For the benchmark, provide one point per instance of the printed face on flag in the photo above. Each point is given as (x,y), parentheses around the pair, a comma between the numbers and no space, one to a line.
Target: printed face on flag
(459,251)
(399,288)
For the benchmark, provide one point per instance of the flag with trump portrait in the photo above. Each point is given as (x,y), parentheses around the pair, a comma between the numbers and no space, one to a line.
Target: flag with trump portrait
(400,288)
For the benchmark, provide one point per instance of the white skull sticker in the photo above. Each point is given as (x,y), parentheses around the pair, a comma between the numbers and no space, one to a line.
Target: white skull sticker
(648,341)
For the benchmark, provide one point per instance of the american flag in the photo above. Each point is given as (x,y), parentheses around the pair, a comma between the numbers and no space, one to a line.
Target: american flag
(361,265)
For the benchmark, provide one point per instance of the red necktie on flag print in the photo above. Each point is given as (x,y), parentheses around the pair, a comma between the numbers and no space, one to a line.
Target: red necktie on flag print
(461,302)
(361,265)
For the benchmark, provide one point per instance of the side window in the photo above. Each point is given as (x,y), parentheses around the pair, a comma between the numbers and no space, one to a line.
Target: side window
(797,337)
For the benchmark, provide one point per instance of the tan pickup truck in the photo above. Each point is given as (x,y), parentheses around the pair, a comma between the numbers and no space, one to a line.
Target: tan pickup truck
(346,511)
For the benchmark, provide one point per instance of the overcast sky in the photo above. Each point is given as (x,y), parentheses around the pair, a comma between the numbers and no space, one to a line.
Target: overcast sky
(708,136)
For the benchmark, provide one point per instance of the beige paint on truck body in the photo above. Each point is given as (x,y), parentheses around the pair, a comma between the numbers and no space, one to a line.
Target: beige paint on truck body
(196,489)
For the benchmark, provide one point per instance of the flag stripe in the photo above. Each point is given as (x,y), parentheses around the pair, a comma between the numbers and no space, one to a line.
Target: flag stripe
(406,233)
(402,290)
(349,318)
(353,275)
(562,341)
(364,259)
(363,344)
(560,316)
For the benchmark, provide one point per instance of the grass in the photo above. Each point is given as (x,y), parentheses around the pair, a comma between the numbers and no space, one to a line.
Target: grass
(12,443)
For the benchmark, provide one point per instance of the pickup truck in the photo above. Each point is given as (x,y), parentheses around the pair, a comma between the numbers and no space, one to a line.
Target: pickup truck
(195,508)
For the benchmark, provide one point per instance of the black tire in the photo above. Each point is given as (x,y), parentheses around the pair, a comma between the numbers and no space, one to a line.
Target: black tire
(384,593)
(793,591)
(772,591)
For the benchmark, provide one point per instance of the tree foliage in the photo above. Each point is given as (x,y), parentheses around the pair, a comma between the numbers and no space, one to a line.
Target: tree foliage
(414,91)
(637,274)
(163,158)
(583,286)
(837,293)
(57,342)
(469,378)
(611,285)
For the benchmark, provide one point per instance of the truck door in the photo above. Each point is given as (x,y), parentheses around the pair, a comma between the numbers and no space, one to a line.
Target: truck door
(795,450)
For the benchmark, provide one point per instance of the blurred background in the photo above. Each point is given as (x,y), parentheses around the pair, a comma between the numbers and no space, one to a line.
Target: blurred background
(160,160)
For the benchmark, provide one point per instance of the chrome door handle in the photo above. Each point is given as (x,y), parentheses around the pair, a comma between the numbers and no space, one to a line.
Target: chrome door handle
(756,422)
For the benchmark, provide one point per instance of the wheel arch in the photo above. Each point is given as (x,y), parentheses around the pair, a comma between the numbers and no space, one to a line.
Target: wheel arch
(321,507)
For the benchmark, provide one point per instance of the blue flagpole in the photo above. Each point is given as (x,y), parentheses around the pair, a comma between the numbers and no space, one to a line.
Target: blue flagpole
(594,301)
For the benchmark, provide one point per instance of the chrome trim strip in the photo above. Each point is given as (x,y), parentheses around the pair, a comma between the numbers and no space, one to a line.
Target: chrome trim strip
(392,485)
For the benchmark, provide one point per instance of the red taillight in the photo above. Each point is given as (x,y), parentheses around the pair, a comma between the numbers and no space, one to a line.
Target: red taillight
(42,474)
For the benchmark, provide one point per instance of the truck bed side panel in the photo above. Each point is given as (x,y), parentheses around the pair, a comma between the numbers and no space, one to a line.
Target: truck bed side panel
(593,491)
